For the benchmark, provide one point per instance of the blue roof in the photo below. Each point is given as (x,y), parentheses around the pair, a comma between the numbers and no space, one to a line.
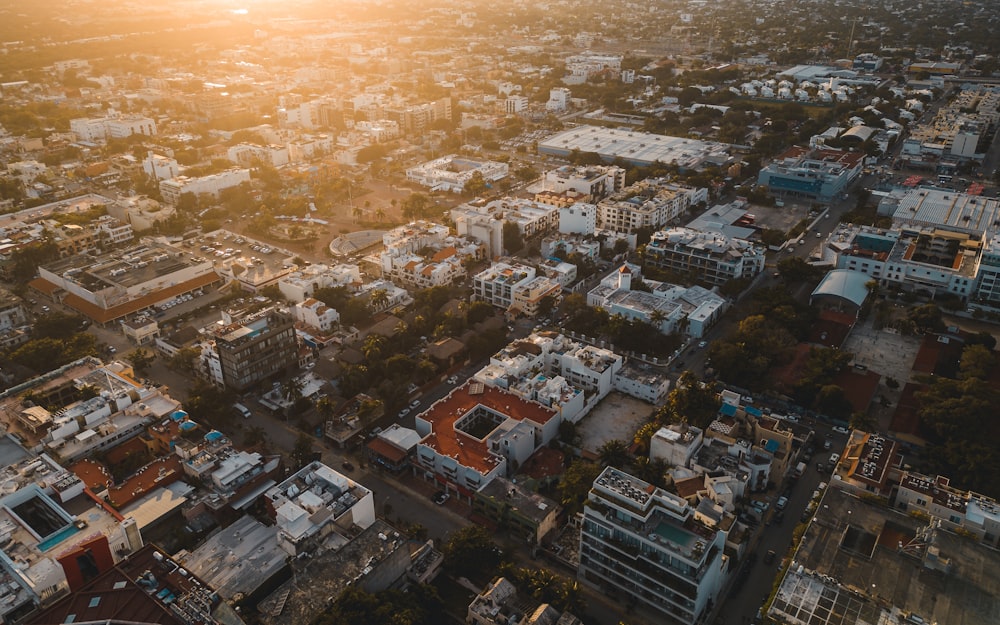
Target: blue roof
(771,445)
(753,411)
(728,410)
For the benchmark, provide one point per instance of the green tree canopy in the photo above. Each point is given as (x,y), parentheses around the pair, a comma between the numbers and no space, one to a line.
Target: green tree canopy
(471,552)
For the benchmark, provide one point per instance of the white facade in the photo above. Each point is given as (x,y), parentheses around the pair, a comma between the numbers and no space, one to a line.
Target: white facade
(709,256)
(484,221)
(676,444)
(249,155)
(113,127)
(683,568)
(496,285)
(648,204)
(579,218)
(160,167)
(315,314)
(667,307)
(213,184)
(595,181)
(559,98)
(300,285)
(452,172)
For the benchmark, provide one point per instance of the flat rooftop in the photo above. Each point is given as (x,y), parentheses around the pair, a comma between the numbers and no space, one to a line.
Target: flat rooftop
(863,555)
(636,147)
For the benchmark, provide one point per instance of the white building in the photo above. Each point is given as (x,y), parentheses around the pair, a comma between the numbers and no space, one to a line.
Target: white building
(559,98)
(483,221)
(667,307)
(318,506)
(595,181)
(647,204)
(496,284)
(440,261)
(578,218)
(676,444)
(452,172)
(315,314)
(213,184)
(250,155)
(683,566)
(478,432)
(302,284)
(707,256)
(114,126)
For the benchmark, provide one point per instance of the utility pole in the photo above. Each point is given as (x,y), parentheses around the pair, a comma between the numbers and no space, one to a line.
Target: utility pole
(850,43)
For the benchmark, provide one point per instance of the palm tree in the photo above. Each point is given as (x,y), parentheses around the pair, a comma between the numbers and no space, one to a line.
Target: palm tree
(379,214)
(292,389)
(378,299)
(657,317)
(325,407)
(372,348)
(614,453)
(357,212)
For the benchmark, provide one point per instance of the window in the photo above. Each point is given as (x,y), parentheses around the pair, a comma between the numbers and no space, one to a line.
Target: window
(921,502)
(94,602)
(955,519)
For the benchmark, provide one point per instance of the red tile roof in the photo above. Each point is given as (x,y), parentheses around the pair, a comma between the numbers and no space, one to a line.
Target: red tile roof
(389,452)
(155,474)
(470,452)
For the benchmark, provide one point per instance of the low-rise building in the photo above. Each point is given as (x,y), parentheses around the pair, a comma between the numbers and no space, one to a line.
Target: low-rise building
(667,307)
(452,172)
(500,604)
(318,506)
(315,314)
(141,330)
(952,507)
(212,184)
(303,283)
(484,221)
(707,256)
(647,204)
(820,175)
(527,514)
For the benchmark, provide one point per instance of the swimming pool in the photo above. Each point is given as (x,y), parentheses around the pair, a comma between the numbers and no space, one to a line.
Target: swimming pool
(675,534)
(58,537)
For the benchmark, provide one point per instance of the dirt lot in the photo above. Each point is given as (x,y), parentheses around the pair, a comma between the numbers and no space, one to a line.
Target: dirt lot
(617,417)
(780,218)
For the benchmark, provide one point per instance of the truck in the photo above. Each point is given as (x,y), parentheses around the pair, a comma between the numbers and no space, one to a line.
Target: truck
(800,469)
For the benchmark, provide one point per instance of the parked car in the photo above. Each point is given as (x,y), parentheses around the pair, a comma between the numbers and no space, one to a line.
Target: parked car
(702,344)
(347,466)
(414,403)
(770,556)
(781,503)
(839,429)
(440,497)
(404,412)
(827,444)
(792,418)
(834,459)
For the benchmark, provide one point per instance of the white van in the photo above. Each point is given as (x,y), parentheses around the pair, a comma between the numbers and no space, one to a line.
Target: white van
(242,411)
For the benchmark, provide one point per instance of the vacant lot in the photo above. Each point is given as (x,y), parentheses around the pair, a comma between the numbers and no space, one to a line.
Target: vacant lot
(618,416)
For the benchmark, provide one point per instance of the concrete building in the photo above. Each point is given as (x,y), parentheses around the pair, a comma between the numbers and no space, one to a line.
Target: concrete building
(124,282)
(525,513)
(117,126)
(709,257)
(212,184)
(479,432)
(302,284)
(483,221)
(423,255)
(141,330)
(667,307)
(647,204)
(496,284)
(858,556)
(315,314)
(256,348)
(452,172)
(953,508)
(315,497)
(500,604)
(251,155)
(635,147)
(160,167)
(683,566)
(578,218)
(594,181)
(821,175)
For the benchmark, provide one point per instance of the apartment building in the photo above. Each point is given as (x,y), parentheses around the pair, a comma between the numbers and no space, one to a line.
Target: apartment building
(578,218)
(212,184)
(315,314)
(648,204)
(255,348)
(496,285)
(452,172)
(953,507)
(303,283)
(705,256)
(667,307)
(644,543)
(594,181)
(483,221)
(99,130)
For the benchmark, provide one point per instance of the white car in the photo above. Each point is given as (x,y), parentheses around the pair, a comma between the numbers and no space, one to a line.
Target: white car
(404,412)
(834,459)
(792,418)
(702,344)
(841,430)
(414,403)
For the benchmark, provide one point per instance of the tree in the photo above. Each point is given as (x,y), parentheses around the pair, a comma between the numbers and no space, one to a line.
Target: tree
(927,318)
(576,482)
(795,269)
(832,400)
(372,348)
(57,325)
(694,401)
(325,408)
(614,453)
(302,452)
(476,184)
(378,299)
(512,240)
(141,359)
(292,389)
(470,552)
(183,360)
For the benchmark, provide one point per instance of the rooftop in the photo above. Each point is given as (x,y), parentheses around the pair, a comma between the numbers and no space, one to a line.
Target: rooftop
(449,440)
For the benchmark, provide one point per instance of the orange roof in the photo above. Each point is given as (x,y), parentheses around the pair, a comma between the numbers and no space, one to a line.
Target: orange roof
(444,253)
(157,473)
(689,487)
(387,451)
(104,315)
(473,453)
(93,474)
